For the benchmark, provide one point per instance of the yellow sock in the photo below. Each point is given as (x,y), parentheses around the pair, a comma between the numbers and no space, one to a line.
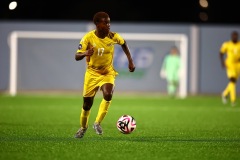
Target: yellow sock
(227,90)
(103,109)
(232,89)
(84,118)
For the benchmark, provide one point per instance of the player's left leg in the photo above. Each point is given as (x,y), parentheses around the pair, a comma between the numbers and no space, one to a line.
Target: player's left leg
(226,93)
(171,88)
(173,83)
(107,90)
(233,84)
(233,81)
(176,82)
(230,90)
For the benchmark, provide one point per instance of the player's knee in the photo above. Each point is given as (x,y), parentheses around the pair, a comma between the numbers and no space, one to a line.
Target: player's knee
(107,96)
(234,80)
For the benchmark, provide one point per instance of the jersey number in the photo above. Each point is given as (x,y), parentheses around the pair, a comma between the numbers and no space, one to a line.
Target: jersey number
(100,51)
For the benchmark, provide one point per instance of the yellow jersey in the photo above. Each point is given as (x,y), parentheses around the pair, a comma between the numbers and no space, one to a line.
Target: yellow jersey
(232,50)
(103,55)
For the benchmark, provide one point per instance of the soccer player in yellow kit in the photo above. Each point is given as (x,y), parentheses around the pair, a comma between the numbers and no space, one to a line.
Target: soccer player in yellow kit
(232,64)
(97,46)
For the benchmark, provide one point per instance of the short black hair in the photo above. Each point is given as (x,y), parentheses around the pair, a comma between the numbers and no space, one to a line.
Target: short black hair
(98,16)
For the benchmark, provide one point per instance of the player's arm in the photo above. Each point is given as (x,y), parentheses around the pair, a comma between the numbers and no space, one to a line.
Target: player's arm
(81,55)
(221,55)
(126,50)
(222,52)
(164,63)
(162,72)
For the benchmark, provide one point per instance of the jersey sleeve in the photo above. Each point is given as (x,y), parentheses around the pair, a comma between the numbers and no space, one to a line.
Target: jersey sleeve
(119,39)
(83,44)
(164,62)
(223,48)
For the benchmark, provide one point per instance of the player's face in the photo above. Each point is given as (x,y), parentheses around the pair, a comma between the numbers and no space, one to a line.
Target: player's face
(174,51)
(103,26)
(234,37)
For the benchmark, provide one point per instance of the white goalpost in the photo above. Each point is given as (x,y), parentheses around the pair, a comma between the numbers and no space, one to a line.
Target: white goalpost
(16,35)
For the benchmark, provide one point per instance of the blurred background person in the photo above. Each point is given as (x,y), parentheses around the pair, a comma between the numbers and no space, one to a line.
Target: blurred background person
(170,70)
(230,60)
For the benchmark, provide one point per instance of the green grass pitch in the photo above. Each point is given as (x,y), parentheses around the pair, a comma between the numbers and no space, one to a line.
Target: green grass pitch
(42,127)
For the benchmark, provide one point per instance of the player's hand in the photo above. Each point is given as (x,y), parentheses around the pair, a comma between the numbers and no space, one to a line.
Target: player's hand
(131,67)
(223,65)
(89,52)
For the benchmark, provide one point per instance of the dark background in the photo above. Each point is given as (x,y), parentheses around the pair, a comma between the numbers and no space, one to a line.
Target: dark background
(185,11)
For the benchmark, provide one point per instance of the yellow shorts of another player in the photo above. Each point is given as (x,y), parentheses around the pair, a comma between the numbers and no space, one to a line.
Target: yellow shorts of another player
(233,70)
(95,79)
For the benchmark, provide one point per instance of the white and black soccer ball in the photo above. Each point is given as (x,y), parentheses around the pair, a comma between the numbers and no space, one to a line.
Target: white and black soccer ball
(126,124)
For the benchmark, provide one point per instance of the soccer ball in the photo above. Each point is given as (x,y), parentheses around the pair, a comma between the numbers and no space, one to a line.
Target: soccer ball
(126,124)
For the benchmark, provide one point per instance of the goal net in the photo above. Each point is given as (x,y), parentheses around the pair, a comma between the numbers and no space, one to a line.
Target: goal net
(41,60)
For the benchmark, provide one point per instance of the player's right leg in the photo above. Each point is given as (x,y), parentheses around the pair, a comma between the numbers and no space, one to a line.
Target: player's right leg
(85,113)
(89,92)
(80,133)
(171,88)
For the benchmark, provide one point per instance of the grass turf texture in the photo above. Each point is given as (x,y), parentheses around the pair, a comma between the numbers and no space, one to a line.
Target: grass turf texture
(195,128)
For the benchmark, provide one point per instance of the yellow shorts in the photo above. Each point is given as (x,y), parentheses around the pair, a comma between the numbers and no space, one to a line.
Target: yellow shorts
(94,80)
(233,70)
